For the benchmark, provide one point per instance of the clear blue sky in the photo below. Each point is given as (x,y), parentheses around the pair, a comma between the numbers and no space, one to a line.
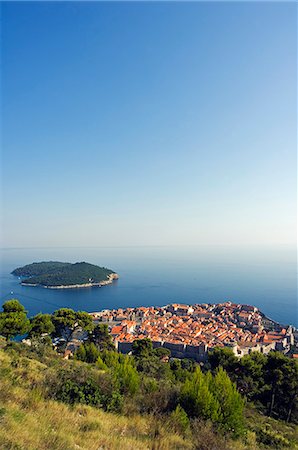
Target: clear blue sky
(148,123)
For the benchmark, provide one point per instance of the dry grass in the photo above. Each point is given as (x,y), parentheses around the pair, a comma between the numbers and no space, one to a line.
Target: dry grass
(51,425)
(28,422)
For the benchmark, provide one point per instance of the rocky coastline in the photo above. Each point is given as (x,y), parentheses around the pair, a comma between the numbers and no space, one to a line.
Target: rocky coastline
(110,278)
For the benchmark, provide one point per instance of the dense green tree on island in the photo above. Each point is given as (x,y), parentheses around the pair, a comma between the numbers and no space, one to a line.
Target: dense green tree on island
(13,319)
(54,273)
(40,268)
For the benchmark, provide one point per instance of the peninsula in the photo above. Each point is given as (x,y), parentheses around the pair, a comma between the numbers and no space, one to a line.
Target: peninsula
(192,331)
(61,275)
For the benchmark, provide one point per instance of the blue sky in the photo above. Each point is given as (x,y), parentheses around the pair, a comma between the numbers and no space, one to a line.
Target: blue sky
(148,123)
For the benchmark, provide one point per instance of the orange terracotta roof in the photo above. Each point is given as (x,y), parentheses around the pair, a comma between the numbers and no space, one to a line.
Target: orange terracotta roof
(117,329)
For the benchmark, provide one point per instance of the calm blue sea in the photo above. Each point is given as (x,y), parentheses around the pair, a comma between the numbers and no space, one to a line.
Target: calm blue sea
(265,277)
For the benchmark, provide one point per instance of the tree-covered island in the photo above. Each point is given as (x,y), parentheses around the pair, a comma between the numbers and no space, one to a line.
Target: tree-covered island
(60,275)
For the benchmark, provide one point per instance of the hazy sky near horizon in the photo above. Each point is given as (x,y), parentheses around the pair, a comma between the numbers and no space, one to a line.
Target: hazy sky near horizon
(148,123)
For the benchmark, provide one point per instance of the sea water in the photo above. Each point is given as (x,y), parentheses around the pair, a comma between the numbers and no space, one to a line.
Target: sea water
(262,276)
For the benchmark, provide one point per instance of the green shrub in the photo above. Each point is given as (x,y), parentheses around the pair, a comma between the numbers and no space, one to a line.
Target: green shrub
(127,377)
(179,420)
(114,403)
(214,398)
(100,364)
(272,438)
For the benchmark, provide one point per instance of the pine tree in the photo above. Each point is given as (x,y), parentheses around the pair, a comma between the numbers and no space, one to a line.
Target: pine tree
(127,377)
(92,353)
(179,420)
(197,399)
(41,323)
(81,353)
(13,319)
(100,364)
(231,402)
(85,321)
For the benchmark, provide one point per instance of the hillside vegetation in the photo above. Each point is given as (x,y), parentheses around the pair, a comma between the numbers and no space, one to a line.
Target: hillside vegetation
(31,417)
(29,421)
(102,399)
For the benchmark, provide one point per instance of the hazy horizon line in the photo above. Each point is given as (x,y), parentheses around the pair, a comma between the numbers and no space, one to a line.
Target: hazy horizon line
(265,244)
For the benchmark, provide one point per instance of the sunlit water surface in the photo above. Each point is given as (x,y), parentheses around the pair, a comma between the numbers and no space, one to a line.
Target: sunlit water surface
(265,277)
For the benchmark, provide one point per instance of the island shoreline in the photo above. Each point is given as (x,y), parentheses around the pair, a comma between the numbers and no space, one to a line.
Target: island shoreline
(112,277)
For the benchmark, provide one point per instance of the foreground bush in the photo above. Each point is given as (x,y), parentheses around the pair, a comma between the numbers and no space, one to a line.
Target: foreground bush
(31,418)
(214,398)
